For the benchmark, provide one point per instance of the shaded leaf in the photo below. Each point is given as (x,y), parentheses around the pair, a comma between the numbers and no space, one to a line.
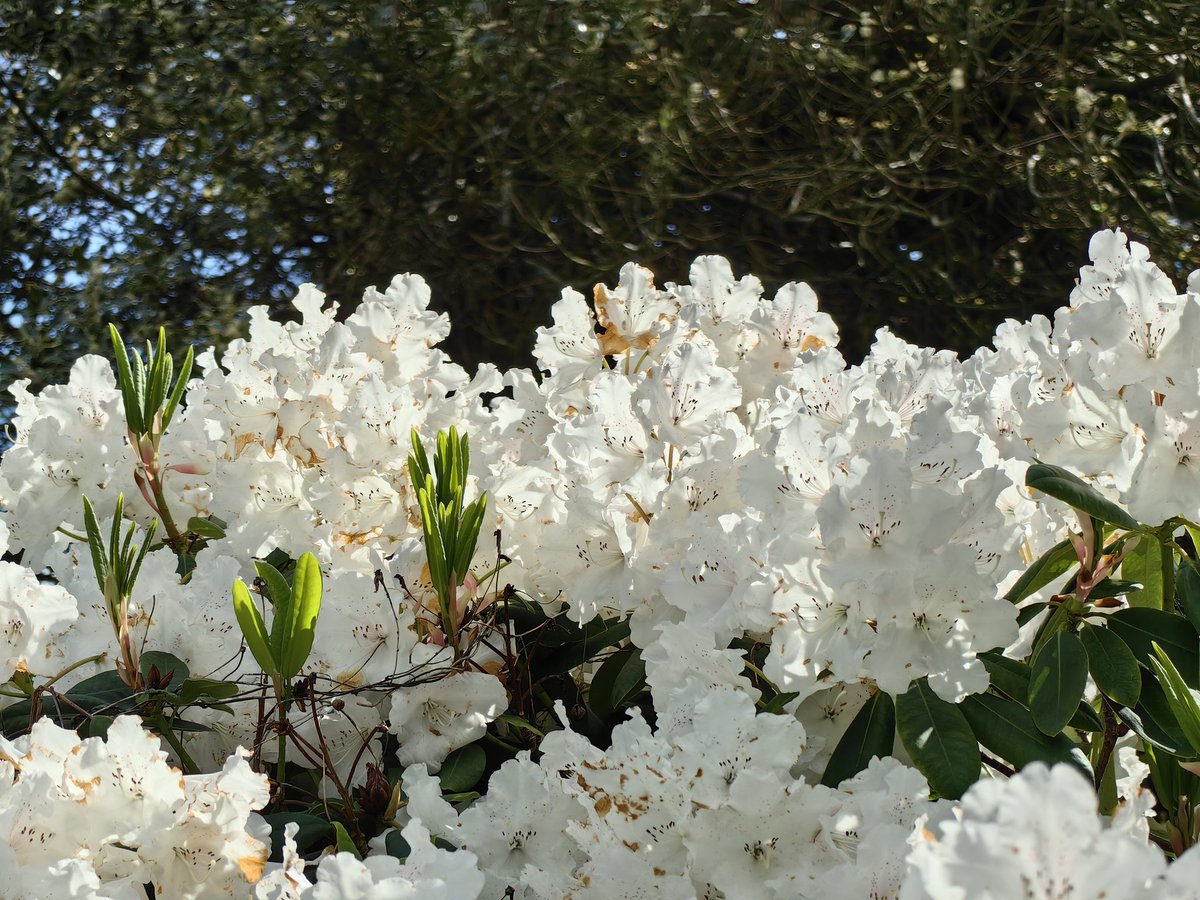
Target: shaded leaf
(938,739)
(1058,676)
(872,733)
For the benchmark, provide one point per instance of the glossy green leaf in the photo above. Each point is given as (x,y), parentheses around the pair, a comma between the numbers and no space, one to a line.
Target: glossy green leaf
(1052,564)
(278,590)
(295,626)
(1068,487)
(618,680)
(254,630)
(310,831)
(345,843)
(1155,710)
(1138,628)
(1058,676)
(462,769)
(205,528)
(1144,564)
(1181,699)
(1187,590)
(568,645)
(1112,664)
(1007,729)
(871,733)
(205,689)
(938,739)
(396,845)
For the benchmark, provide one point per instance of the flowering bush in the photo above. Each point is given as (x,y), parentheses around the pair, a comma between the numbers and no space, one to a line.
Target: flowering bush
(698,610)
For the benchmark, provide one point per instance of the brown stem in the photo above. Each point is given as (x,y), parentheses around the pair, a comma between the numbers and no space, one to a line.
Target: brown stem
(1111,725)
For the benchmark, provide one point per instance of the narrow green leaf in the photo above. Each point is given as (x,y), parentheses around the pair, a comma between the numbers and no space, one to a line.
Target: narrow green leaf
(254,630)
(95,543)
(938,739)
(1068,487)
(133,408)
(462,769)
(1052,564)
(1140,627)
(1058,678)
(278,590)
(345,843)
(1150,731)
(1144,565)
(1187,590)
(132,572)
(1007,729)
(300,615)
(185,372)
(872,733)
(1113,666)
(1182,700)
(1155,709)
(138,371)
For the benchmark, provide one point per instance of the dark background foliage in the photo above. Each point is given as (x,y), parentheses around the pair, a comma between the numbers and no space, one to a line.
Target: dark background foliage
(932,166)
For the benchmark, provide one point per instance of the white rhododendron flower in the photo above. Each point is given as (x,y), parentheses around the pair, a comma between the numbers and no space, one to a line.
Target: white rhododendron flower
(699,460)
(429,720)
(1035,835)
(112,811)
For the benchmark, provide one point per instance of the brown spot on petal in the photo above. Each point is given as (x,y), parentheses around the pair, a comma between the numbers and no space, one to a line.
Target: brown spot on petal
(812,342)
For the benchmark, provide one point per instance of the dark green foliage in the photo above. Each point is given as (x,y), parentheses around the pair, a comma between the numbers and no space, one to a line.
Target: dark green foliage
(933,167)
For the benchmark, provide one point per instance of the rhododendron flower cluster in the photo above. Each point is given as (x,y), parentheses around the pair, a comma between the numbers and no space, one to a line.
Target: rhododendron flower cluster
(697,460)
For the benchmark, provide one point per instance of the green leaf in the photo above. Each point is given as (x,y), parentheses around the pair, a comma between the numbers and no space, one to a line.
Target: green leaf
(938,739)
(1052,564)
(1058,678)
(519,724)
(872,733)
(129,398)
(1157,716)
(297,622)
(1144,564)
(205,528)
(566,646)
(104,691)
(96,727)
(619,679)
(462,769)
(177,392)
(1187,590)
(1078,494)
(95,543)
(278,590)
(1112,664)
(1150,732)
(1008,675)
(1183,703)
(312,829)
(254,630)
(204,689)
(345,843)
(396,845)
(1139,627)
(1008,730)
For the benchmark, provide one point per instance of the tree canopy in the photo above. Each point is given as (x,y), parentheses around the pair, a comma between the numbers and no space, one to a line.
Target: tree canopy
(930,166)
